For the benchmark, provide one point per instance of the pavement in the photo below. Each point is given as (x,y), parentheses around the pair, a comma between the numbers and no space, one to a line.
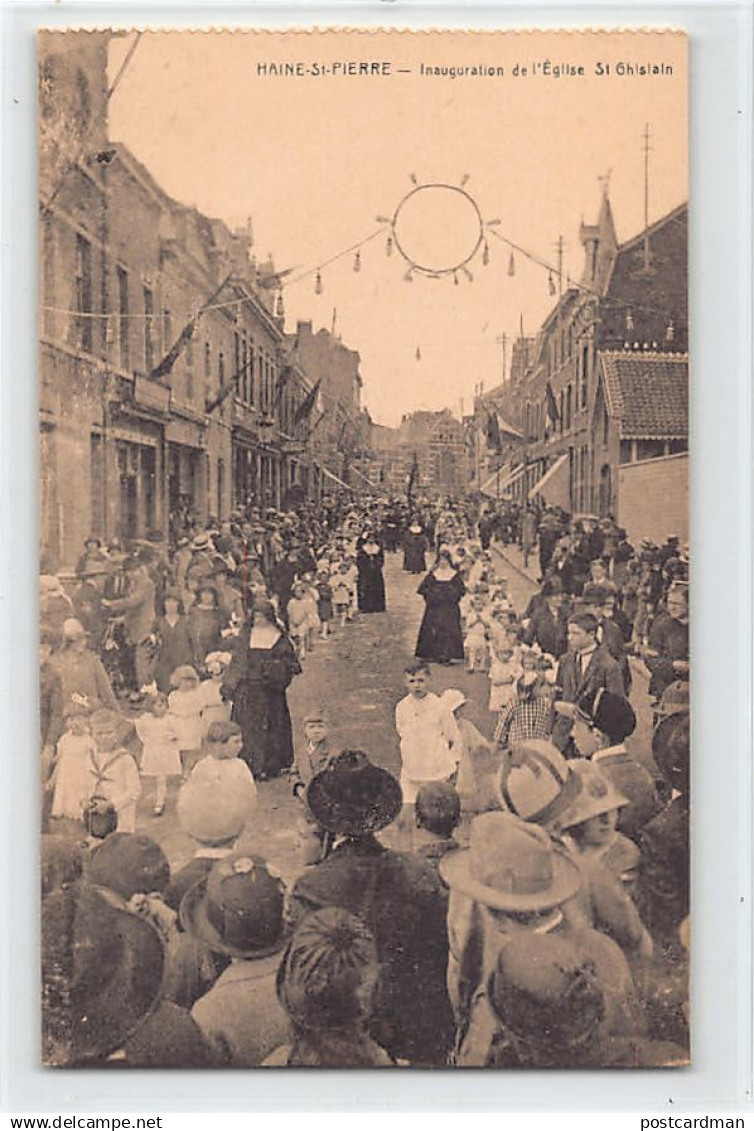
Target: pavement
(357,676)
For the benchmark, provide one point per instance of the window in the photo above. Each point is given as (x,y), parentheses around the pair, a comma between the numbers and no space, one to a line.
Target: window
(124,325)
(148,330)
(84,292)
(561,410)
(650,449)
(207,361)
(606,428)
(569,399)
(220,487)
(220,369)
(236,356)
(97,483)
(625,451)
(584,374)
(244,376)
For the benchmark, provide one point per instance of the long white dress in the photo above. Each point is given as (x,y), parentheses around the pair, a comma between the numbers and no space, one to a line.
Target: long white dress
(161,754)
(72,776)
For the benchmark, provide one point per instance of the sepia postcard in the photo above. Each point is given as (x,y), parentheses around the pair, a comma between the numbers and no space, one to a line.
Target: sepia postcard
(364,563)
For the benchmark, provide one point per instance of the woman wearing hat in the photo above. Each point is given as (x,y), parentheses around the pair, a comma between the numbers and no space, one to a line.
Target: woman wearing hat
(175,648)
(262,666)
(237,911)
(440,636)
(81,672)
(514,881)
(399,898)
(205,622)
(325,983)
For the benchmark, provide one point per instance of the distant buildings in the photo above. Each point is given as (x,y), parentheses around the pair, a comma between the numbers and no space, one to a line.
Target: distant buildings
(431,443)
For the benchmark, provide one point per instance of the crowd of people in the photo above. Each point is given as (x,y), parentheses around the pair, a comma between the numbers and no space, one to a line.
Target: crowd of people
(511,899)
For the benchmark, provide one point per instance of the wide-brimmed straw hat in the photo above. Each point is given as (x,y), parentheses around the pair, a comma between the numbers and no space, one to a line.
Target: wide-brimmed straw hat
(598,795)
(535,782)
(352,796)
(511,865)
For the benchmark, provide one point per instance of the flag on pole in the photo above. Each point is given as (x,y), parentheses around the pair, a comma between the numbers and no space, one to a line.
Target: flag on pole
(304,410)
(413,477)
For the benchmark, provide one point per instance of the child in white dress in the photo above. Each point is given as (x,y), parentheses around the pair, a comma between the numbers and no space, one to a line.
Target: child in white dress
(160,755)
(185,704)
(214,709)
(115,777)
(505,671)
(72,774)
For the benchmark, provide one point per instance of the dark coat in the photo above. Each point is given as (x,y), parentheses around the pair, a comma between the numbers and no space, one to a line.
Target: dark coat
(670,639)
(370,585)
(440,636)
(175,651)
(415,547)
(404,904)
(601,671)
(548,631)
(256,681)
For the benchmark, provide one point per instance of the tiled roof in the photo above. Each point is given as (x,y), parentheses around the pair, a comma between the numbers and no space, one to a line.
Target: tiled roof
(648,393)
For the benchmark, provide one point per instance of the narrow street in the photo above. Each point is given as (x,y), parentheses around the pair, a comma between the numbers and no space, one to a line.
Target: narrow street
(357,676)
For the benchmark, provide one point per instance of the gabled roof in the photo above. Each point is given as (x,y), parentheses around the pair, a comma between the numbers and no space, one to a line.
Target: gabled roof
(648,393)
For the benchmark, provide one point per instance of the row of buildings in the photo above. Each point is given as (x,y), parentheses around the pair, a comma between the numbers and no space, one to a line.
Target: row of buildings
(594,415)
(168,384)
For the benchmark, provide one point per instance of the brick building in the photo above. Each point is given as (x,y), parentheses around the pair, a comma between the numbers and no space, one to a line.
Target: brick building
(166,381)
(631,298)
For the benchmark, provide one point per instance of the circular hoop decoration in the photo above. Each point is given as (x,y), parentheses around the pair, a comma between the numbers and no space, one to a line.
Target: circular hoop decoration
(438,229)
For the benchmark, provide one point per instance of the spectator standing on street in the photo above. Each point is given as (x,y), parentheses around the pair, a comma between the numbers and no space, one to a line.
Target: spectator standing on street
(138,610)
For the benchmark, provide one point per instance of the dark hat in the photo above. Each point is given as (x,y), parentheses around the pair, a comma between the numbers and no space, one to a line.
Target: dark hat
(545,990)
(328,971)
(129,864)
(133,561)
(676,699)
(237,909)
(352,796)
(102,971)
(92,538)
(610,713)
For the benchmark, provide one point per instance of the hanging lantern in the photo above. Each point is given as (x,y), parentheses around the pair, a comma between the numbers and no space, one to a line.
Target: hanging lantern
(318,283)
(551,283)
(418,354)
(629,320)
(409,276)
(468,274)
(511,265)
(485,254)
(357,261)
(455,278)
(389,246)
(279,306)
(670,331)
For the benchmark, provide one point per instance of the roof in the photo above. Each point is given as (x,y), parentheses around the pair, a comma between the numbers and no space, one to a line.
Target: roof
(648,393)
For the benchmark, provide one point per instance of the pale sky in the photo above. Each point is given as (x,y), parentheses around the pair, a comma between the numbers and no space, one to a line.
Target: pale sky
(315,160)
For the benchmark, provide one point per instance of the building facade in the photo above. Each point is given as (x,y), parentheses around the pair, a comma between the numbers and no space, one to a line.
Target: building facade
(167,386)
(631,299)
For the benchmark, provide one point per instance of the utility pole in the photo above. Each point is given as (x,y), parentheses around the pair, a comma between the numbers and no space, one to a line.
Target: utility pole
(646,148)
(502,340)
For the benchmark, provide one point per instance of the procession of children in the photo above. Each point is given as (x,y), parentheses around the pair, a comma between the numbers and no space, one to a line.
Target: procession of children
(516,894)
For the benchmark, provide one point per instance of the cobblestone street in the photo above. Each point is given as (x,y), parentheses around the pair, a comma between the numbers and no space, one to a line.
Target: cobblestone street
(357,675)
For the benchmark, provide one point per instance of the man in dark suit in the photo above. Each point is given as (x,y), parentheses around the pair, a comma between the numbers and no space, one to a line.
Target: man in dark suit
(585,667)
